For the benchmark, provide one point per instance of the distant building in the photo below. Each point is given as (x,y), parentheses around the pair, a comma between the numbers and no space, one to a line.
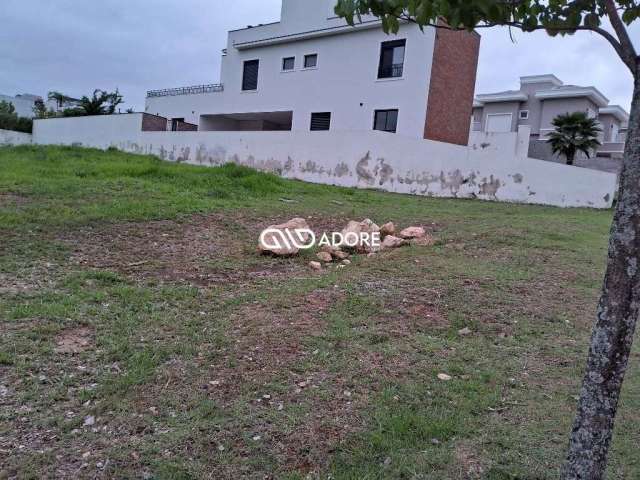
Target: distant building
(22,103)
(538,101)
(61,104)
(25,102)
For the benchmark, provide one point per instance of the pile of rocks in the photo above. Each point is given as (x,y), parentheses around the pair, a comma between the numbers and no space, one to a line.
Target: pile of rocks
(364,237)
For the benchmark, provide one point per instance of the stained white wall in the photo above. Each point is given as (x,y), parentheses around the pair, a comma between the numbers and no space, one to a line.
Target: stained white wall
(353,159)
(9,137)
(503,144)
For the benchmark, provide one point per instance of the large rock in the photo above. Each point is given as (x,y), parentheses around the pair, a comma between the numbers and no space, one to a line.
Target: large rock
(392,242)
(353,238)
(387,229)
(324,257)
(412,232)
(272,241)
(339,255)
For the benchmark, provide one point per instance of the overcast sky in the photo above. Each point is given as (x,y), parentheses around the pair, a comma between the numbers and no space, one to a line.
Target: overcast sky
(74,46)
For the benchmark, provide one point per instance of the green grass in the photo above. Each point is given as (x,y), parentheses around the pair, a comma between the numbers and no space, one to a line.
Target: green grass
(203,358)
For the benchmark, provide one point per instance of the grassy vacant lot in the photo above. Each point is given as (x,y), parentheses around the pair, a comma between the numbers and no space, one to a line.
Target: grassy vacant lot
(143,337)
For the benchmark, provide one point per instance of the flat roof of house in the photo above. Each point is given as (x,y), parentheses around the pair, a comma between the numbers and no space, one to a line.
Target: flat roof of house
(506,96)
(617,111)
(293,37)
(546,78)
(574,91)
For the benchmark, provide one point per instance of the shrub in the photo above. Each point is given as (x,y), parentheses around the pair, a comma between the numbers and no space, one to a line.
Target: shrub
(11,121)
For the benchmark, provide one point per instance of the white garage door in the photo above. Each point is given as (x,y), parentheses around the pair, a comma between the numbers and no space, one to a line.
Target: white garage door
(499,122)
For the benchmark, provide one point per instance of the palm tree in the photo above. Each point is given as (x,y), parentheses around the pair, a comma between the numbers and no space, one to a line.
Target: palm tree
(574,132)
(100,103)
(60,98)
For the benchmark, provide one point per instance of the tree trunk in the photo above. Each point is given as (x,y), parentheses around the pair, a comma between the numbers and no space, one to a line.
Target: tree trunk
(617,312)
(570,158)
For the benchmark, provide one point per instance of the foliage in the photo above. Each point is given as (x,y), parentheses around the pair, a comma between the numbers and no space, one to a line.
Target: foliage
(9,119)
(60,98)
(100,103)
(557,17)
(574,132)
(7,108)
(40,110)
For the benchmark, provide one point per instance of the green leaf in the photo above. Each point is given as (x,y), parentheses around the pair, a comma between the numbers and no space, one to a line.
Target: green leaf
(592,20)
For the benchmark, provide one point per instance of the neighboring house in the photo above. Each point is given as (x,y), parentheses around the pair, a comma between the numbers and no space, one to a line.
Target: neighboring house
(22,103)
(59,106)
(25,102)
(311,71)
(538,101)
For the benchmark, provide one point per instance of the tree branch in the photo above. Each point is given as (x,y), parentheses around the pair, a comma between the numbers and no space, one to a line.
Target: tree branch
(627,51)
(629,59)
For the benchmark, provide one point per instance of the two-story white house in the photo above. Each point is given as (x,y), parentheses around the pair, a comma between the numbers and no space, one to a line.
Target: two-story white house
(311,71)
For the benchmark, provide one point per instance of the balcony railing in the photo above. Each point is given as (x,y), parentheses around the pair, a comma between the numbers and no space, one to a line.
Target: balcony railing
(392,71)
(193,90)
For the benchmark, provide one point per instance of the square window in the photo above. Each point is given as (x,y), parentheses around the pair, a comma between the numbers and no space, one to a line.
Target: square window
(250,75)
(386,120)
(392,59)
(288,63)
(320,121)
(524,114)
(311,61)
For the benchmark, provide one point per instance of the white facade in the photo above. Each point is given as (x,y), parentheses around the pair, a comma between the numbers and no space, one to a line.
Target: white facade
(344,82)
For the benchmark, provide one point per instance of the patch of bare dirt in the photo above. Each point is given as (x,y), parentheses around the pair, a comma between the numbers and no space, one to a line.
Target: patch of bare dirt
(74,340)
(468,462)
(9,200)
(203,250)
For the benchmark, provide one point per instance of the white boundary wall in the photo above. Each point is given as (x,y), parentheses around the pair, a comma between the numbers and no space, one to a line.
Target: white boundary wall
(9,137)
(352,159)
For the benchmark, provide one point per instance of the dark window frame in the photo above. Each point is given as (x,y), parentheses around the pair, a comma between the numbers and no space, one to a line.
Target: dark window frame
(175,122)
(307,57)
(248,86)
(387,127)
(388,69)
(316,119)
(293,64)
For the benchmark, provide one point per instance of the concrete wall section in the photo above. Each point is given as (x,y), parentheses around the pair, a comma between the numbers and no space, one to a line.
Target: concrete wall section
(9,137)
(515,144)
(100,131)
(353,159)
